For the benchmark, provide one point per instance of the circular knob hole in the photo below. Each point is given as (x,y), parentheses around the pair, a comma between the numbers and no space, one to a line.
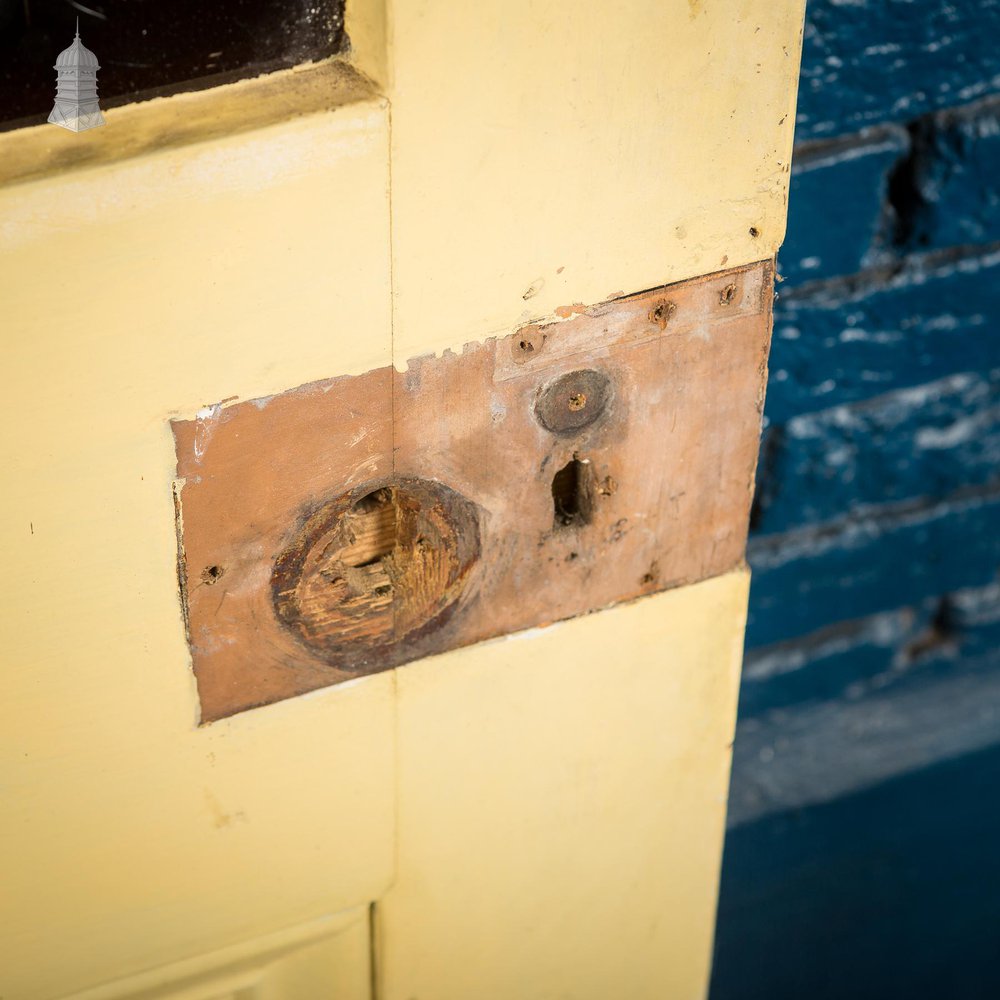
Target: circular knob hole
(366,572)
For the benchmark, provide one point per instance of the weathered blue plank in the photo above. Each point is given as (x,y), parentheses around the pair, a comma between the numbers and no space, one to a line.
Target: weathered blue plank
(948,189)
(854,659)
(870,561)
(874,196)
(896,721)
(836,203)
(842,342)
(885,894)
(922,442)
(869,61)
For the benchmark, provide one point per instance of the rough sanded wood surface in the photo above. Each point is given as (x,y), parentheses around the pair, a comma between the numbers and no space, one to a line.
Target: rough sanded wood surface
(354,524)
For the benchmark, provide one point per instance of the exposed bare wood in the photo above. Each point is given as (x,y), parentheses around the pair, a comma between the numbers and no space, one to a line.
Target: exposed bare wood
(352,525)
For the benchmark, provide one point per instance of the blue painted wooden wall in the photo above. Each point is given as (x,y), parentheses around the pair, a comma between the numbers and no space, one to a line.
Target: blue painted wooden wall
(864,813)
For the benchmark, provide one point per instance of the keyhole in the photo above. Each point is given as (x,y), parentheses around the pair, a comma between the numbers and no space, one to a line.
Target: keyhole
(573,494)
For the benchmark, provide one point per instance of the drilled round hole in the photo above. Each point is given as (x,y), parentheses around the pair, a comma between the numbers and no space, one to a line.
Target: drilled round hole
(365,573)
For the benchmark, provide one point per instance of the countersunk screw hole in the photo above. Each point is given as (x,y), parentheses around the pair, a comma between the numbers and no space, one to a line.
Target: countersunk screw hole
(727,295)
(660,314)
(528,342)
(574,400)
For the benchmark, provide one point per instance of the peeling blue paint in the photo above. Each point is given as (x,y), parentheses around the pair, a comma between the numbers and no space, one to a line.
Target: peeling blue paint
(873,61)
(861,856)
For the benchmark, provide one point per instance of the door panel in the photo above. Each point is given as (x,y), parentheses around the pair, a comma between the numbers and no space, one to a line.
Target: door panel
(131,294)
(537,815)
(562,800)
(330,957)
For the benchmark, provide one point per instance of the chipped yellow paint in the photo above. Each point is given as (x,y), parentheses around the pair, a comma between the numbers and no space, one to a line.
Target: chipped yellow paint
(548,808)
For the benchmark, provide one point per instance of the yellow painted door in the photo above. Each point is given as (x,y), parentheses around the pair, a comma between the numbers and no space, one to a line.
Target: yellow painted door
(539,815)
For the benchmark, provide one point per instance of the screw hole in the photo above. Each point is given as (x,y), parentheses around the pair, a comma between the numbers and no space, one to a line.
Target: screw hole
(577,401)
(754,232)
(661,313)
(212,574)
(527,342)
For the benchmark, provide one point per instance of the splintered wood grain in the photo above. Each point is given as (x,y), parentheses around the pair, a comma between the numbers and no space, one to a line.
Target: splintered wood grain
(349,526)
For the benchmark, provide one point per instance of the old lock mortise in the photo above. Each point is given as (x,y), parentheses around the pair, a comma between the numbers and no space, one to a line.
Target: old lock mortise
(559,501)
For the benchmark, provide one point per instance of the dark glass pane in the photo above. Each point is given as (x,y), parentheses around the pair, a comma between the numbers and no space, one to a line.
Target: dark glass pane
(149,47)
